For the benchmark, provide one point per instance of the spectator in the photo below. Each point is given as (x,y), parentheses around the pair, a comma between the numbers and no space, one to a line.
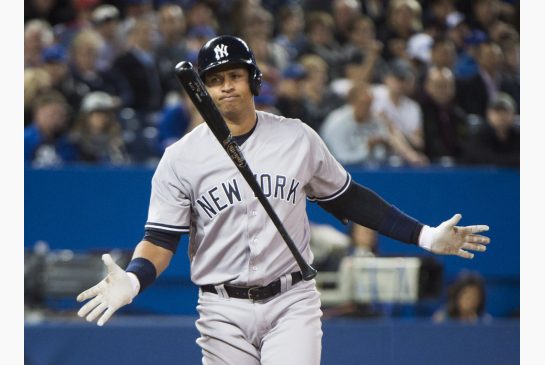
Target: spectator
(497,142)
(362,40)
(106,21)
(404,20)
(393,103)
(291,102)
(173,48)
(344,14)
(484,14)
(466,301)
(445,125)
(138,67)
(318,96)
(55,63)
(355,135)
(266,100)
(46,143)
(97,132)
(38,35)
(477,91)
(84,70)
(320,28)
(443,53)
(364,241)
(37,81)
(352,133)
(290,24)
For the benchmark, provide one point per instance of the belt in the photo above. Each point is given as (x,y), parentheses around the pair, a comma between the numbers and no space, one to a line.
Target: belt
(254,292)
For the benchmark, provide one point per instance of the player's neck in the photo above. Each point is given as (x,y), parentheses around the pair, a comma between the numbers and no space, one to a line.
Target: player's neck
(241,124)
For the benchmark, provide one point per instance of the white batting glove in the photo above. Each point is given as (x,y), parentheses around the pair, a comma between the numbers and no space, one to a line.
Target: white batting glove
(448,239)
(116,290)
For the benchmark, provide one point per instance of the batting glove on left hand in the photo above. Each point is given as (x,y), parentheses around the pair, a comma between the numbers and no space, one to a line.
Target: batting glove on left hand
(448,239)
(116,290)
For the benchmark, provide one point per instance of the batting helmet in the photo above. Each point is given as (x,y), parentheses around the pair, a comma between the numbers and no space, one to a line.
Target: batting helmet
(224,50)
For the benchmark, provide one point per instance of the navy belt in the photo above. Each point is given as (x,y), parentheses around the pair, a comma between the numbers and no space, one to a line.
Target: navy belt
(254,292)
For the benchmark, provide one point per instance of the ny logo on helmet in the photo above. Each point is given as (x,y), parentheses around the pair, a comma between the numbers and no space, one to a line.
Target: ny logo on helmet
(221,51)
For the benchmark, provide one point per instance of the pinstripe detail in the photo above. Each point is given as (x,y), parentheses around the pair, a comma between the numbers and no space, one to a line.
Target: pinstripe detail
(334,195)
(167,227)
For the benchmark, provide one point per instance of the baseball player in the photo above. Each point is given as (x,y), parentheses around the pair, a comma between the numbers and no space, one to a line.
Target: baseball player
(254,307)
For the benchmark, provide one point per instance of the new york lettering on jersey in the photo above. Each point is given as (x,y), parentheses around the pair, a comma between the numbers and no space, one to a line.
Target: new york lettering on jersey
(220,197)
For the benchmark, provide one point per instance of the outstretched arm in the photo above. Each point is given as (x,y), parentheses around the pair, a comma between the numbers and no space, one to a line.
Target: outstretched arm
(120,286)
(363,206)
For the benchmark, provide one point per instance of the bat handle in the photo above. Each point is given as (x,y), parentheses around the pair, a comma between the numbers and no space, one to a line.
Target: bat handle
(308,272)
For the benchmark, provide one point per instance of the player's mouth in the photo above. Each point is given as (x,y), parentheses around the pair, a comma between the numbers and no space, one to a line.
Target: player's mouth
(229,98)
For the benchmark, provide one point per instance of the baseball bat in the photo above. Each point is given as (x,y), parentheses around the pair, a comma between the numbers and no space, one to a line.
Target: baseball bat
(193,85)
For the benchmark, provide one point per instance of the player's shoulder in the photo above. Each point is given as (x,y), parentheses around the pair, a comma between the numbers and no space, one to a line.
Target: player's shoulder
(280,123)
(189,142)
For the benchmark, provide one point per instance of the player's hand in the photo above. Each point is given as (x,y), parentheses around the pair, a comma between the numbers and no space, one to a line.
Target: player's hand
(115,291)
(449,239)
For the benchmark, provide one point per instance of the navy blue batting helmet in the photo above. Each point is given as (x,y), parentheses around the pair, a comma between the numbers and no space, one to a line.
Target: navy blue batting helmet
(224,50)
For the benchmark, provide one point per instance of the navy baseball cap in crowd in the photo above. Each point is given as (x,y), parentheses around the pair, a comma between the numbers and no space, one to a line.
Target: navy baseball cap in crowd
(294,71)
(54,53)
(400,69)
(476,37)
(503,101)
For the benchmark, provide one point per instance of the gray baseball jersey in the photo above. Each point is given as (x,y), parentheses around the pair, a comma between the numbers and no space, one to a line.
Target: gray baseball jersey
(197,189)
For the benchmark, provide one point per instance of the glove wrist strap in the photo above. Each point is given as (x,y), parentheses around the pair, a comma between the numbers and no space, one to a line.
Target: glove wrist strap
(144,270)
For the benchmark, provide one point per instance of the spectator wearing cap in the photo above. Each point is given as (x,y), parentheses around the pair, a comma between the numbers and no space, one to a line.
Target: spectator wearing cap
(97,132)
(45,139)
(497,142)
(172,46)
(445,125)
(106,21)
(395,106)
(477,91)
(291,101)
(55,63)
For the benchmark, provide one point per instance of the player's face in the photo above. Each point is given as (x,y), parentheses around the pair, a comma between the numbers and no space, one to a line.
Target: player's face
(230,90)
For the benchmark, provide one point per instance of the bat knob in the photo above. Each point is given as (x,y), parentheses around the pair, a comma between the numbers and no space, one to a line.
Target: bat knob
(309,273)
(184,65)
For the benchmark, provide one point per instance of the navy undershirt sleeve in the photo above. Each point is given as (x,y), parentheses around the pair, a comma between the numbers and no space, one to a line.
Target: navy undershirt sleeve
(365,207)
(165,239)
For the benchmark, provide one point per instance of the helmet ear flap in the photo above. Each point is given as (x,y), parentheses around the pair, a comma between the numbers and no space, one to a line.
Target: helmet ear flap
(255,81)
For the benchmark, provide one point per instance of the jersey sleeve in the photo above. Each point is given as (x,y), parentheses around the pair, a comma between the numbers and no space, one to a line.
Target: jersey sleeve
(169,208)
(328,178)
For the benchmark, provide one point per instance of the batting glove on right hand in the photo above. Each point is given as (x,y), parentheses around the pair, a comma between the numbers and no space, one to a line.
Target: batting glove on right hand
(448,239)
(116,290)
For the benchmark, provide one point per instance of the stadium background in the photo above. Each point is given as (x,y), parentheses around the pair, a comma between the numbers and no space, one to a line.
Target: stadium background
(86,209)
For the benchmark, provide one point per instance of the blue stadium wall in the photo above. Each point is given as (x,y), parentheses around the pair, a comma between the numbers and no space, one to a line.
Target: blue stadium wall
(98,209)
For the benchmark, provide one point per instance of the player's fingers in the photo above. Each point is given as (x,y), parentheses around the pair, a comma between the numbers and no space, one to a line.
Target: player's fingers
(89,306)
(474,229)
(89,293)
(96,312)
(109,262)
(473,247)
(106,316)
(453,221)
(476,238)
(465,254)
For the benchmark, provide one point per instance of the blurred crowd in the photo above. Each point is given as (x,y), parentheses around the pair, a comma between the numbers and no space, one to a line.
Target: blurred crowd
(384,82)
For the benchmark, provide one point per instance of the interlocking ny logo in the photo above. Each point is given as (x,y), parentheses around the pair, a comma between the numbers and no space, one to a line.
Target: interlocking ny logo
(221,51)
